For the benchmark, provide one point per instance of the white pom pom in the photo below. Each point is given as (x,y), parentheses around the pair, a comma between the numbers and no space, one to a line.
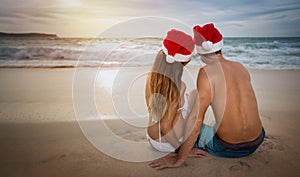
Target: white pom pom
(170,59)
(207,45)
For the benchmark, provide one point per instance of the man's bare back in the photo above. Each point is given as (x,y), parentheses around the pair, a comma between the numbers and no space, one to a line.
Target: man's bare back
(233,101)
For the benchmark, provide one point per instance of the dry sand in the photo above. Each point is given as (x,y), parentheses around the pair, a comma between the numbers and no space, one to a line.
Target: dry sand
(39,134)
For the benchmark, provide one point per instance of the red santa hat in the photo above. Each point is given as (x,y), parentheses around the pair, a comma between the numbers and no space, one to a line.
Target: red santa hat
(207,39)
(178,46)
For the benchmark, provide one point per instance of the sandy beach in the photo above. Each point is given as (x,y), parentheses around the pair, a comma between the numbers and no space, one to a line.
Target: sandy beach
(40,136)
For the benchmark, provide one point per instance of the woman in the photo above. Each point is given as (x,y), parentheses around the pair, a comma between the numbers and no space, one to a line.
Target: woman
(166,97)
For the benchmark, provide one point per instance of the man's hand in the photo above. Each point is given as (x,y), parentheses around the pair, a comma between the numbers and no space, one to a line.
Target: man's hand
(196,152)
(173,162)
(166,162)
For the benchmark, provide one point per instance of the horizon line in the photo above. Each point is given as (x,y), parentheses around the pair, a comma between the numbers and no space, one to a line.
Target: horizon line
(58,36)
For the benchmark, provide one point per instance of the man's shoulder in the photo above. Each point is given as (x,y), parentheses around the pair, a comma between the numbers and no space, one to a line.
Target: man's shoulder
(203,74)
(238,68)
(202,70)
(237,63)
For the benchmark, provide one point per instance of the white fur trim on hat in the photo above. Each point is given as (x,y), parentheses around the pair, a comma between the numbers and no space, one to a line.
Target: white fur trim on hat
(209,47)
(177,57)
(170,59)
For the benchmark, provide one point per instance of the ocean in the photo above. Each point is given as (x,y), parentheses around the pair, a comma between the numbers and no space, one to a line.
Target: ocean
(48,52)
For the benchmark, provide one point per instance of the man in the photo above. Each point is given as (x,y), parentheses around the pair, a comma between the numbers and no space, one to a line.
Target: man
(226,87)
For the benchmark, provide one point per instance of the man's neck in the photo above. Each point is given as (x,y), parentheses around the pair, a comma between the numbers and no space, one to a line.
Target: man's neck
(213,59)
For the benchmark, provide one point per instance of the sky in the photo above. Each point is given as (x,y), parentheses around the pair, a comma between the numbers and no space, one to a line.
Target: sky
(88,18)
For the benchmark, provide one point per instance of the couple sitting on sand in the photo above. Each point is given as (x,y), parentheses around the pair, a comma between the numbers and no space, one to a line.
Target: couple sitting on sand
(176,117)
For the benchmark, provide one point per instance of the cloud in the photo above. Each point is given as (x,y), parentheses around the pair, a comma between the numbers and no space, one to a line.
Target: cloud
(233,17)
(25,3)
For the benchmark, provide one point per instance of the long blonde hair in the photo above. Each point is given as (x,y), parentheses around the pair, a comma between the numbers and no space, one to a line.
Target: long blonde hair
(163,87)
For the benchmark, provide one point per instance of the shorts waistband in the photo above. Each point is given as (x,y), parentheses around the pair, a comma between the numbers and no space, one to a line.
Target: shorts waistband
(242,146)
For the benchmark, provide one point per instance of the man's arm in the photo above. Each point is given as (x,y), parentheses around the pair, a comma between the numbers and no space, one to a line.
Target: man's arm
(204,96)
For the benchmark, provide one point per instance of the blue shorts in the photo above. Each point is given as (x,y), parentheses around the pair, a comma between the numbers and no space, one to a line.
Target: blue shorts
(209,141)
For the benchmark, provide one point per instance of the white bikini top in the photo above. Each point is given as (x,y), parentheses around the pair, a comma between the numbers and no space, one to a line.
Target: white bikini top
(167,147)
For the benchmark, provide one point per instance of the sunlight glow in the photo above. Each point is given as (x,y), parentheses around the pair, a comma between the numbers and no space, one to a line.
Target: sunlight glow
(68,3)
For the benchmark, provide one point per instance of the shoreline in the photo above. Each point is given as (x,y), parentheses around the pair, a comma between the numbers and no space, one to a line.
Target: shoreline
(119,67)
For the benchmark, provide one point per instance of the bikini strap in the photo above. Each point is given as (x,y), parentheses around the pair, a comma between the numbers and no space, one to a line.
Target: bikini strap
(159,134)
